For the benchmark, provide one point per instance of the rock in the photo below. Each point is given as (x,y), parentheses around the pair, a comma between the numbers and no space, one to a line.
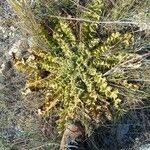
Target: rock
(6,66)
(145,147)
(20,48)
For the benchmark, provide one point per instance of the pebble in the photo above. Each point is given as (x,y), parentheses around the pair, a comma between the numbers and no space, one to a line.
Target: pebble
(145,147)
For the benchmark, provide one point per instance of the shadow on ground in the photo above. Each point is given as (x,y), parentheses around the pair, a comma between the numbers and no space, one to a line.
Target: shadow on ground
(129,132)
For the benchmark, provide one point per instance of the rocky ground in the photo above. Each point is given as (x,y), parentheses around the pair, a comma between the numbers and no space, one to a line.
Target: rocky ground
(20,126)
(22,129)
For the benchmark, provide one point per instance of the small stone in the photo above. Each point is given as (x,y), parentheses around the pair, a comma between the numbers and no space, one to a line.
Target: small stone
(145,147)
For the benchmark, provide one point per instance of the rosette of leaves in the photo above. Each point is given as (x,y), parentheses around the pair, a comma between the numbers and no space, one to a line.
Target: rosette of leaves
(73,74)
